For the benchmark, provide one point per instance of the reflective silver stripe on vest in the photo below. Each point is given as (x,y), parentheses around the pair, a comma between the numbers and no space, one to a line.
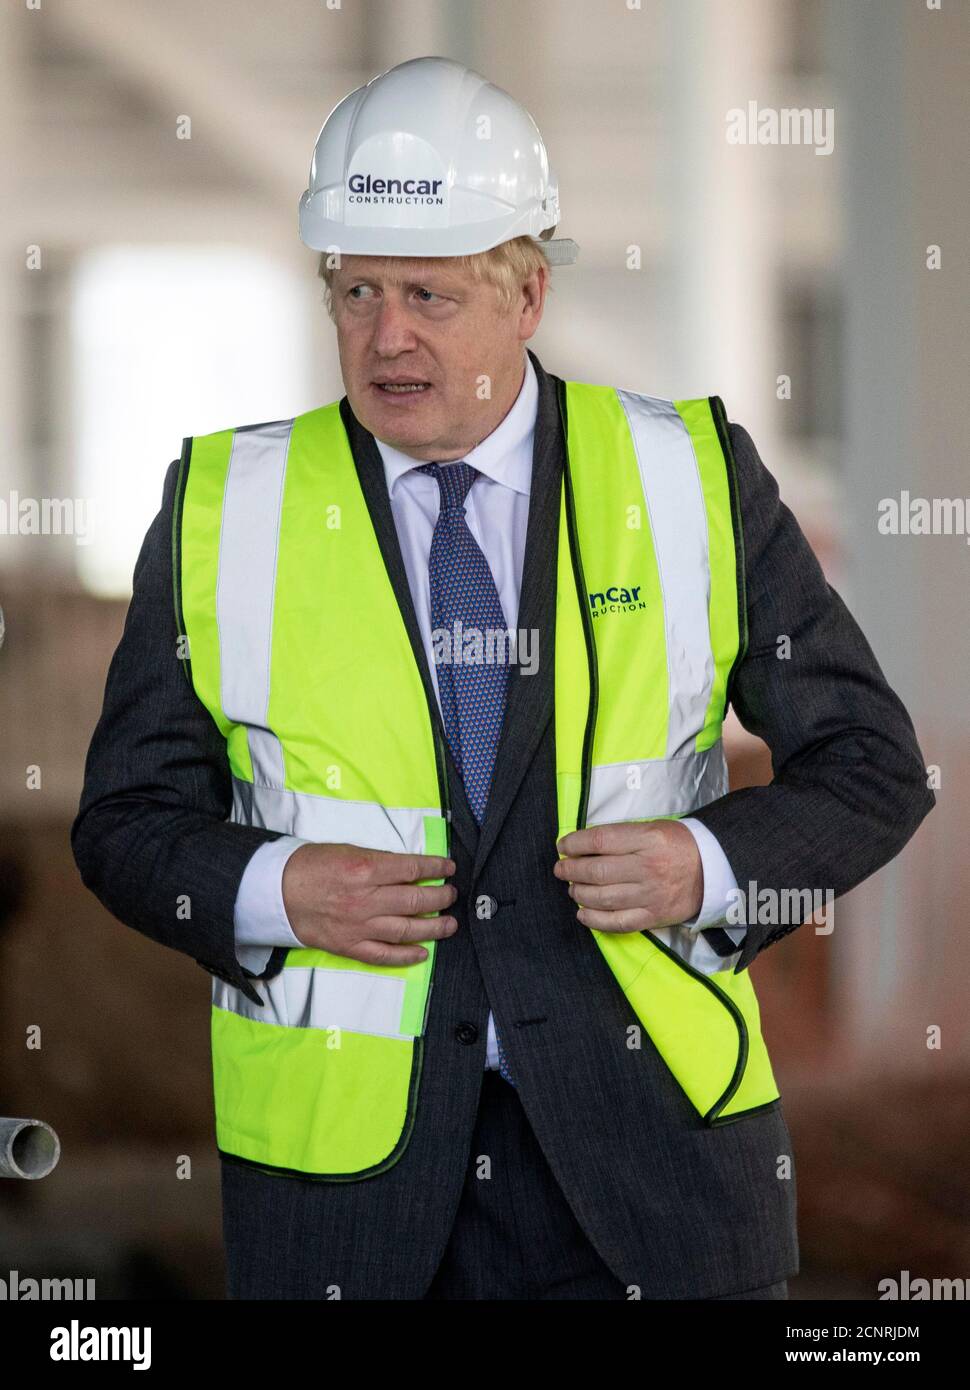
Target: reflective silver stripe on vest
(330,820)
(246,586)
(314,997)
(660,787)
(678,522)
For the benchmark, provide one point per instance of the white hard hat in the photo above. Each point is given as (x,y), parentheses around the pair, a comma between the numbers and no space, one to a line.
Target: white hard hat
(430,159)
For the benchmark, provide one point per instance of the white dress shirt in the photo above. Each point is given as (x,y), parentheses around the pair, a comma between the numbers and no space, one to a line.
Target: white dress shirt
(497,511)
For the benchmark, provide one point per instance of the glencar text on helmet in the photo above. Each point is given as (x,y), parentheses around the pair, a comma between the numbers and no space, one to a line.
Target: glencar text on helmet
(364,188)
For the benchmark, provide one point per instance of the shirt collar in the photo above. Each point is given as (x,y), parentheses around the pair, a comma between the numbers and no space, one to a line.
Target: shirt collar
(505,455)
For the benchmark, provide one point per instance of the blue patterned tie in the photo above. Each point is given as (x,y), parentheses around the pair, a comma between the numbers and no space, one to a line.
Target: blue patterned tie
(472,695)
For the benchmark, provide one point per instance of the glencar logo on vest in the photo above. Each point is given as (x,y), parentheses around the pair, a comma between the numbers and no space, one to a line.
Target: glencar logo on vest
(616,599)
(365,188)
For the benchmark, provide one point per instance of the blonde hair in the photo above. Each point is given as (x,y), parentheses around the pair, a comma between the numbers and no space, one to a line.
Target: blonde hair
(505,267)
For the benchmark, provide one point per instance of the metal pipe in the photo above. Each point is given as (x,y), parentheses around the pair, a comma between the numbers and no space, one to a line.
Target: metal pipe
(28,1148)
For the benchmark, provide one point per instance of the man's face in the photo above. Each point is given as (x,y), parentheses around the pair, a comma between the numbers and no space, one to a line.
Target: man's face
(428,322)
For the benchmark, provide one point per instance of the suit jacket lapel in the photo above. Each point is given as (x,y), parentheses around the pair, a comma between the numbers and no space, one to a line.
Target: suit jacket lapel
(370,471)
(529,702)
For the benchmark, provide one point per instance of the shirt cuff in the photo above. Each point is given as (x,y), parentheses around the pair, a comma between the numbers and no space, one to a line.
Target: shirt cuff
(719,883)
(696,950)
(259,919)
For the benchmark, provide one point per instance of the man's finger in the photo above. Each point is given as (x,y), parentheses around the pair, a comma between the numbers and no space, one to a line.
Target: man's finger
(620,837)
(628,919)
(385,953)
(398,931)
(407,899)
(387,866)
(608,897)
(600,868)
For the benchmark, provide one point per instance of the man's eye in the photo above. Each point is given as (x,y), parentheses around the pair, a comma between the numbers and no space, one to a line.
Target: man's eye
(355,288)
(431,293)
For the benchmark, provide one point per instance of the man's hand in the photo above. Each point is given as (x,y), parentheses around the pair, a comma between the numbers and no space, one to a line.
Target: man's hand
(634,875)
(366,903)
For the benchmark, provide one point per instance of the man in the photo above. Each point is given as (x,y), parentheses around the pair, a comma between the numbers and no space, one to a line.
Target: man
(429,741)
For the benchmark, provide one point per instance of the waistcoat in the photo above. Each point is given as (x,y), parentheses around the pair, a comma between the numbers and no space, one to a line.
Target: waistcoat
(295,643)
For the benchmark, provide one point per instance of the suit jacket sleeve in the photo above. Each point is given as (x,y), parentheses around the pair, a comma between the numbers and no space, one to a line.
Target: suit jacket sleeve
(849,782)
(151,837)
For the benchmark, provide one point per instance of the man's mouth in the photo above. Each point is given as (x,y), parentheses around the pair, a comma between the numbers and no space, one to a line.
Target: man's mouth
(402,388)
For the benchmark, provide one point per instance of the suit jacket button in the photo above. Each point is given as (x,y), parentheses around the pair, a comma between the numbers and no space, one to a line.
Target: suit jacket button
(466,1033)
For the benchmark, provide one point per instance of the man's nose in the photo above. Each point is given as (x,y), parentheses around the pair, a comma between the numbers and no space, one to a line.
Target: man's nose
(393,332)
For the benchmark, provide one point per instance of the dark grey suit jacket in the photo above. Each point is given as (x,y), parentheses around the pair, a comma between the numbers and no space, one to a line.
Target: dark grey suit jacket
(674,1207)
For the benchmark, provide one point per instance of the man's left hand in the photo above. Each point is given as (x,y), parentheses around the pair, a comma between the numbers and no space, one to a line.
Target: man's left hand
(634,875)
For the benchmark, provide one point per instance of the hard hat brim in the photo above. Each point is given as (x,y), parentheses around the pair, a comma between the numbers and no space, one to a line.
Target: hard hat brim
(419,243)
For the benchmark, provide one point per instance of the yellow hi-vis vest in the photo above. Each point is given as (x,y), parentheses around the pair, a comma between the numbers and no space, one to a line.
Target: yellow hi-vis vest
(298,649)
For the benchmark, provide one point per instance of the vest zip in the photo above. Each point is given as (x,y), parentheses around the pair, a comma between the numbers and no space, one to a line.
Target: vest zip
(712,1115)
(441,767)
(580,582)
(719,415)
(444,799)
(177,507)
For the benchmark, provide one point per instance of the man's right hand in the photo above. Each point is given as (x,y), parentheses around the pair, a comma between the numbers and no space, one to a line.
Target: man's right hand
(366,903)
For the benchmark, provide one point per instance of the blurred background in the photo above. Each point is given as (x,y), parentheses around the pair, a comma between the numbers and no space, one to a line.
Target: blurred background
(153,285)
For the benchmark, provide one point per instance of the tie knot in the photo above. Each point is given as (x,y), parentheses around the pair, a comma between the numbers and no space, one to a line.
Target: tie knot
(454,482)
